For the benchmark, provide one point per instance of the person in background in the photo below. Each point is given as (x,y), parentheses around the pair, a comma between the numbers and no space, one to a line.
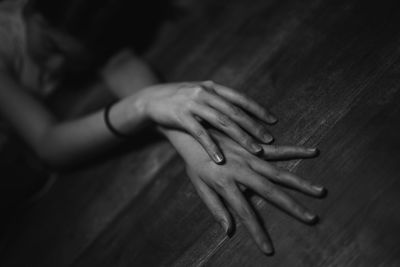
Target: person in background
(220,133)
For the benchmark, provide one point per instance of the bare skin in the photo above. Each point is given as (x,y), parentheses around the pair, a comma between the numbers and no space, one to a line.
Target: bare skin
(45,51)
(182,106)
(177,105)
(219,184)
(185,105)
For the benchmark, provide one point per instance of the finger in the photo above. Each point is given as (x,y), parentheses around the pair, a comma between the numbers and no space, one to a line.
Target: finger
(213,203)
(243,102)
(234,112)
(226,125)
(201,135)
(272,152)
(286,178)
(239,204)
(270,192)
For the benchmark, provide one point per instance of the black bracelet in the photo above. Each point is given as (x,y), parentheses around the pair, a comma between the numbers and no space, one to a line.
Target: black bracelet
(109,125)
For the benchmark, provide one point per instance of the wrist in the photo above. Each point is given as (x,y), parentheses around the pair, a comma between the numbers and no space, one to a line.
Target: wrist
(128,116)
(141,104)
(110,126)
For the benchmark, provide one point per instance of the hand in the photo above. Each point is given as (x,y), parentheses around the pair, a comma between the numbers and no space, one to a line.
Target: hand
(185,105)
(244,170)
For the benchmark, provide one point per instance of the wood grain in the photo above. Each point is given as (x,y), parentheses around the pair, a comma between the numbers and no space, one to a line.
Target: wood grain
(330,70)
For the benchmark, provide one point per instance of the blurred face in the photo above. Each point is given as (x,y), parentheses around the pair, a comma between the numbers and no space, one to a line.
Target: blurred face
(43,47)
(52,50)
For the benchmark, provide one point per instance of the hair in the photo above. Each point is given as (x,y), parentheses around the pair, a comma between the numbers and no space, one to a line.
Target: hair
(102,27)
(27,33)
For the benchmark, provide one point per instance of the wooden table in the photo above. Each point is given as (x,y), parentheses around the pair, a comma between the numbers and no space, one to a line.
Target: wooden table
(329,69)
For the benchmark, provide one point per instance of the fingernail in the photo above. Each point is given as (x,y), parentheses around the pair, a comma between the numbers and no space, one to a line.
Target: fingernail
(225,226)
(318,187)
(256,147)
(266,248)
(268,138)
(322,190)
(312,218)
(218,158)
(313,150)
(272,119)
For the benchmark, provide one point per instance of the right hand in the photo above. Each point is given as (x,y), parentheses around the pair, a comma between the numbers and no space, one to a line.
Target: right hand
(185,105)
(221,185)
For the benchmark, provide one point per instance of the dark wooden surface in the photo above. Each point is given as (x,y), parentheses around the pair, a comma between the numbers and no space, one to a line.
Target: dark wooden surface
(329,69)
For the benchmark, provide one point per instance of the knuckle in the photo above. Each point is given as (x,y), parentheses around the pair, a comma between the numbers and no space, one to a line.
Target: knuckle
(245,139)
(260,130)
(242,187)
(189,105)
(223,120)
(273,149)
(298,209)
(196,90)
(181,119)
(244,212)
(208,83)
(236,111)
(278,149)
(223,183)
(277,174)
(199,132)
(242,137)
(269,191)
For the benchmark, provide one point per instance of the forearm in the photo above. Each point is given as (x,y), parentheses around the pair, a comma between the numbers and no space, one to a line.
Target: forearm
(70,142)
(65,143)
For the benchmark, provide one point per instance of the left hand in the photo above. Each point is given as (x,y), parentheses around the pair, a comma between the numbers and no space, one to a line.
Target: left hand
(184,105)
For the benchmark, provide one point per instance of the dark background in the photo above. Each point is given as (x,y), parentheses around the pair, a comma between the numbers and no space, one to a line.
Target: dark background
(330,70)
(105,26)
